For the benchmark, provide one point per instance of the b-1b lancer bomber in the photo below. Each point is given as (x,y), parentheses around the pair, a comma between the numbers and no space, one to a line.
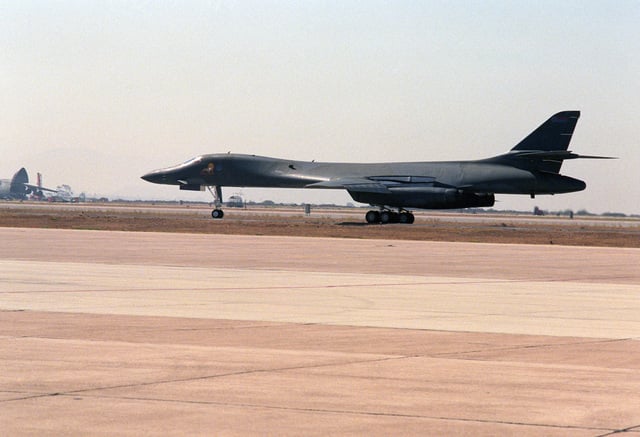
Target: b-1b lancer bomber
(531,167)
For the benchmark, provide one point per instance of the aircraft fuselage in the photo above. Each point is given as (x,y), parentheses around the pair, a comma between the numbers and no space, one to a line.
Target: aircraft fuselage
(238,170)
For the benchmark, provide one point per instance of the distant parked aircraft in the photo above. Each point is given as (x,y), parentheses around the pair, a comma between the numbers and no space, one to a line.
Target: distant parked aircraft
(531,167)
(65,194)
(18,187)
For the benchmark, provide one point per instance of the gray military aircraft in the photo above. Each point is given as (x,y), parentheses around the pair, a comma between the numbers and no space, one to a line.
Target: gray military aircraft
(18,187)
(531,167)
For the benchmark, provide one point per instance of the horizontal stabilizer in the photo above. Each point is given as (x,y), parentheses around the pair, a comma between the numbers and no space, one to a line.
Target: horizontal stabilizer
(557,155)
(594,157)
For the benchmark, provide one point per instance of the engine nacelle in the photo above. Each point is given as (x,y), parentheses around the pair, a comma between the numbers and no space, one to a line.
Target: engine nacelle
(425,198)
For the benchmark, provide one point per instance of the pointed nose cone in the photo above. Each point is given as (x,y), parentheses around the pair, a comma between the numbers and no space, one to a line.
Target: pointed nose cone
(156,177)
(149,177)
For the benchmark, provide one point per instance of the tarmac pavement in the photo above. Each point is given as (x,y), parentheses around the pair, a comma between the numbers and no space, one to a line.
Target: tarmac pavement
(122,333)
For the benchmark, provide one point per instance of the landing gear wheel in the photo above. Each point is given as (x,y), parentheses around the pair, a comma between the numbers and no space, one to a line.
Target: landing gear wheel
(406,217)
(372,217)
(386,217)
(217,213)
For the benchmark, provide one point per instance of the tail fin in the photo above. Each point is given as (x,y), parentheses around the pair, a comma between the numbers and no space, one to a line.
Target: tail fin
(554,135)
(545,149)
(18,182)
(20,178)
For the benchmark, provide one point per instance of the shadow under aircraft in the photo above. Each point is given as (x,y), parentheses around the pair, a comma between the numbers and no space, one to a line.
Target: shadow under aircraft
(532,167)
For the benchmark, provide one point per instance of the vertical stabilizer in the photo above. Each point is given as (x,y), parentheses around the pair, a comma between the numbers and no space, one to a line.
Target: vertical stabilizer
(552,135)
(18,182)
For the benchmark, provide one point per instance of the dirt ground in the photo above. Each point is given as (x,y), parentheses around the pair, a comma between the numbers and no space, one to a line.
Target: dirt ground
(323,223)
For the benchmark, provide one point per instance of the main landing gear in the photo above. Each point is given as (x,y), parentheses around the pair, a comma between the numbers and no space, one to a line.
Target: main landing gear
(217,201)
(385,216)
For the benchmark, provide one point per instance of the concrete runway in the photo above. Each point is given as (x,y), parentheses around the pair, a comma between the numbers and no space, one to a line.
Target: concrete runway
(107,333)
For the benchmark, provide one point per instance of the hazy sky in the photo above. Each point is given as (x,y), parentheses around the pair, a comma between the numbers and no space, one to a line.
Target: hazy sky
(96,93)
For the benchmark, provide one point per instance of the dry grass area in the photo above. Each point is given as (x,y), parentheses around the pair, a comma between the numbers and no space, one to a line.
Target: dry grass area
(489,229)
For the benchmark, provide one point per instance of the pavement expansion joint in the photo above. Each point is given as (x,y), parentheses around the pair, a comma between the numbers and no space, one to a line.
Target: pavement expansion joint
(343,412)
(632,429)
(31,396)
(223,375)
(530,346)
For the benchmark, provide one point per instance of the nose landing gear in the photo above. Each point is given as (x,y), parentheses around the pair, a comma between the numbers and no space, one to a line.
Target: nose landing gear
(217,213)
(217,201)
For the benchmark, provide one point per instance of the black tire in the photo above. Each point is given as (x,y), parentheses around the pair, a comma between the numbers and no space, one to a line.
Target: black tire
(404,218)
(217,213)
(411,218)
(372,217)
(386,217)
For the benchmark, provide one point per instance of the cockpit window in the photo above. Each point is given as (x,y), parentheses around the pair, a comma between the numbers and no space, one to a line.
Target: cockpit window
(195,160)
(192,161)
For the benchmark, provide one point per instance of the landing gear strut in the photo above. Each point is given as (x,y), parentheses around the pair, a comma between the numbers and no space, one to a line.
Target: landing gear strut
(385,216)
(217,201)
